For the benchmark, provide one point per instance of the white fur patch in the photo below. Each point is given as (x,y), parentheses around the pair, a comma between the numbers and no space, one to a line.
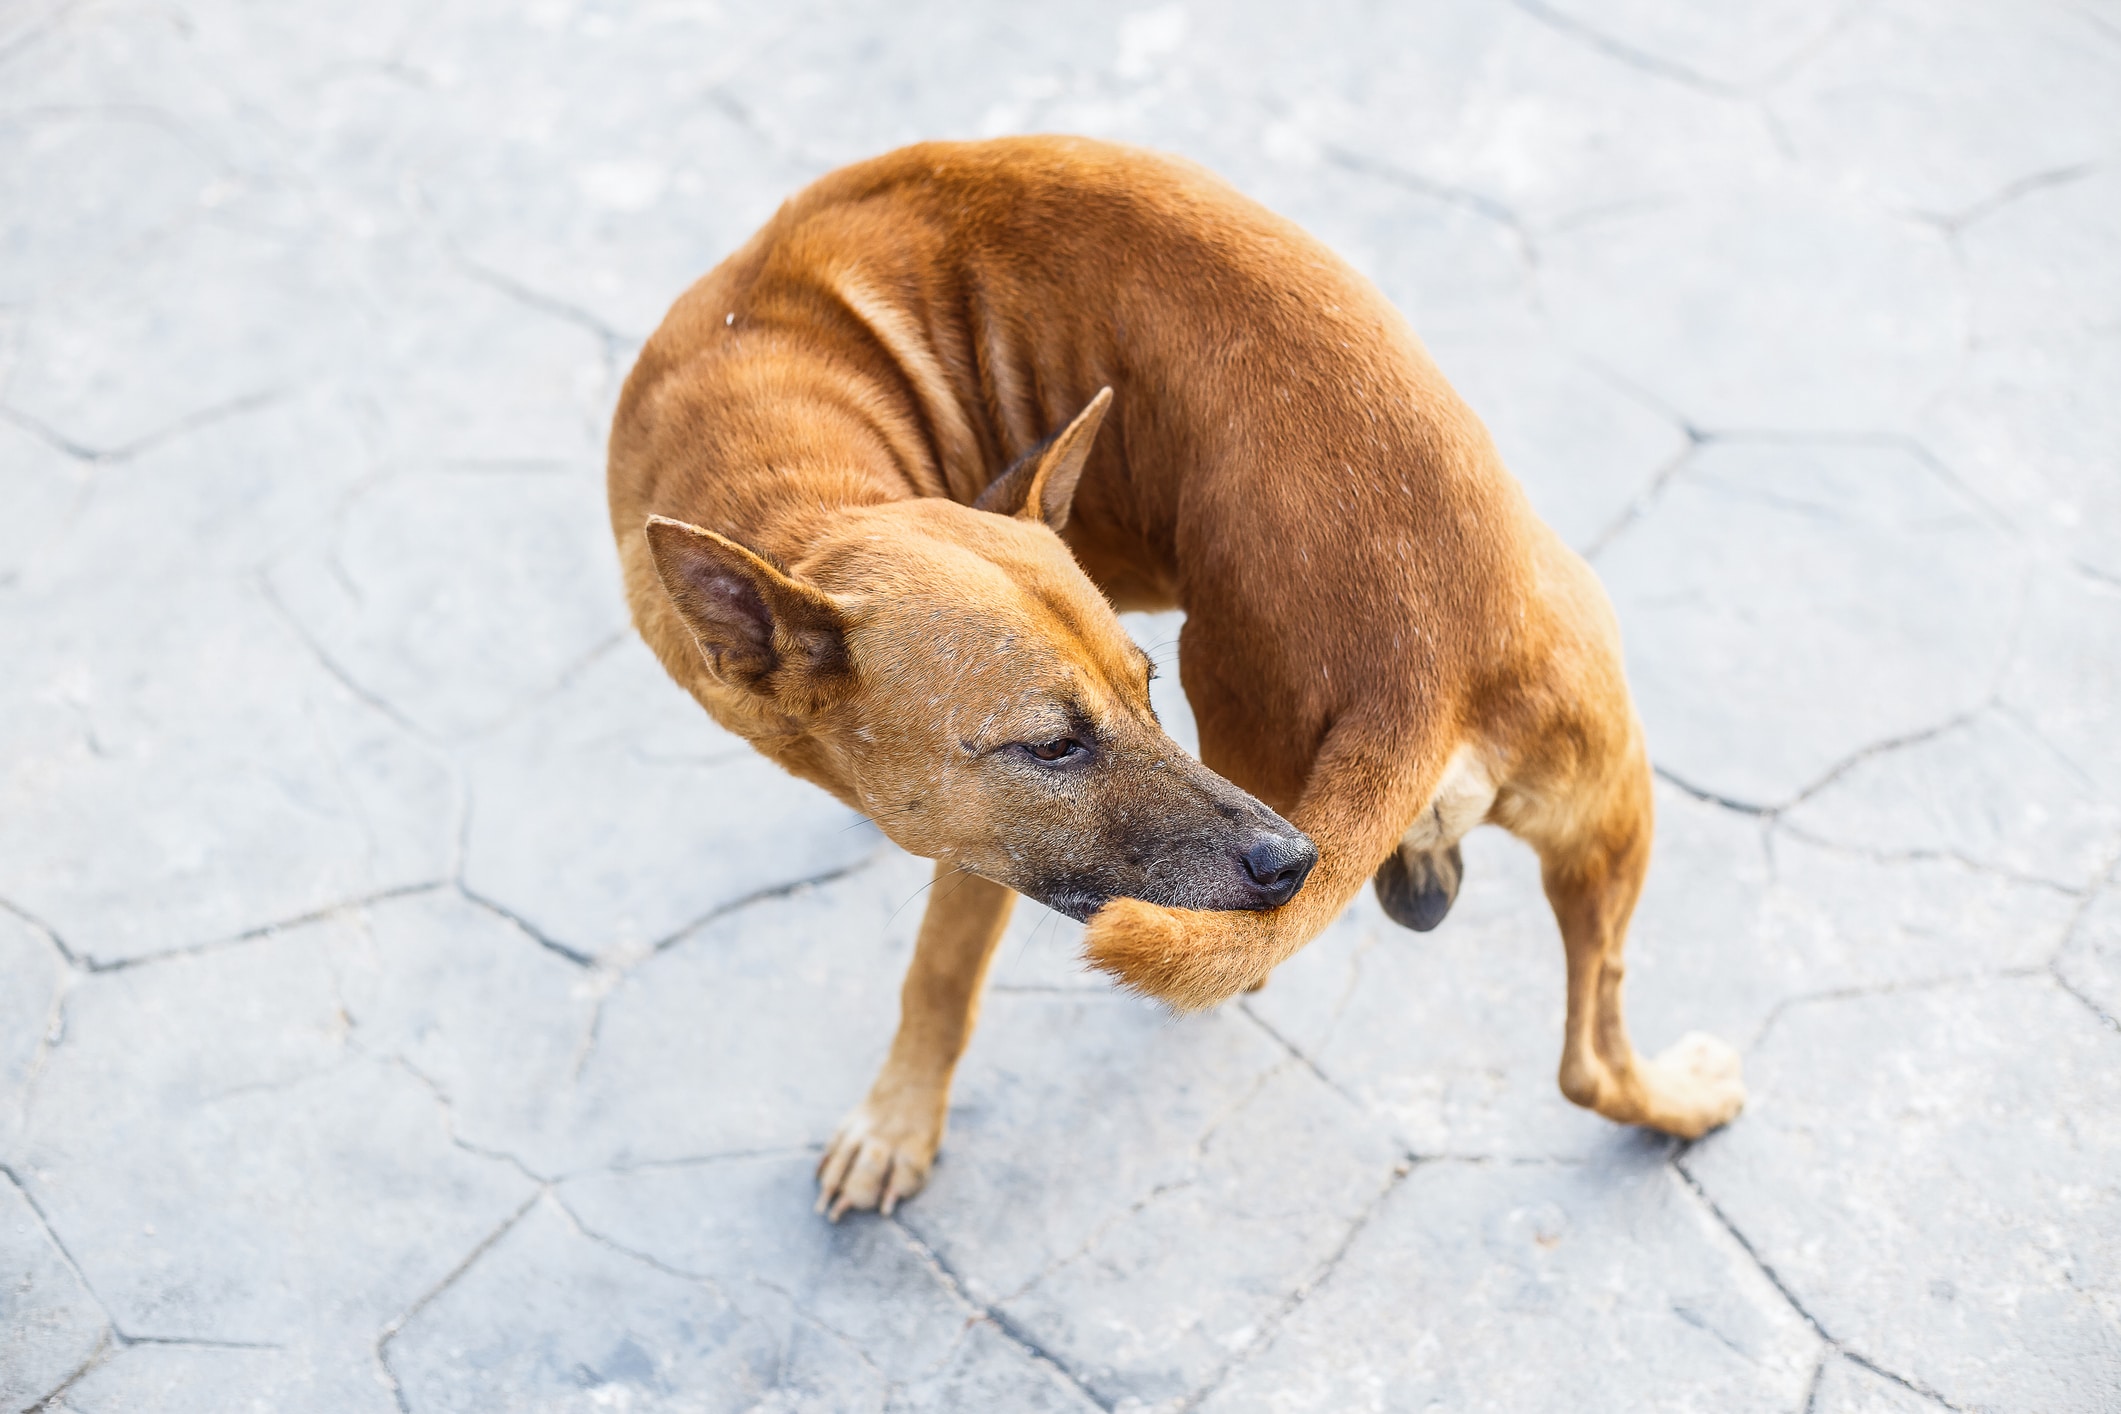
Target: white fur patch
(1462,800)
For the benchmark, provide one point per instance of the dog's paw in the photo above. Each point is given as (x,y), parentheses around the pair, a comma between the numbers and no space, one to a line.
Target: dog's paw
(1698,1084)
(1186,960)
(877,1158)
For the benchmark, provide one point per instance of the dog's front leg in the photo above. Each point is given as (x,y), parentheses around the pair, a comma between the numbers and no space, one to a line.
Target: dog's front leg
(882,1151)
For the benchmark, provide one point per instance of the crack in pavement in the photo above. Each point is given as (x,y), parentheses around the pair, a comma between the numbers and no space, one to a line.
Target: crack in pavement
(1831,774)
(2025,723)
(1462,198)
(848,1342)
(568,675)
(126,451)
(603,979)
(1621,52)
(615,341)
(1913,447)
(2108,878)
(712,1283)
(768,894)
(336,670)
(392,1327)
(1701,1323)
(1677,1162)
(523,925)
(114,1336)
(1810,1403)
(2063,981)
(1657,66)
(1644,501)
(1266,1332)
(105,1343)
(1953,223)
(2108,580)
(91,965)
(53,1034)
(1190,1176)
(1783,829)
(1297,1053)
(446,1103)
(1698,437)
(1882,747)
(1015,1334)
(1886,989)
(622,962)
(646,1259)
(51,1235)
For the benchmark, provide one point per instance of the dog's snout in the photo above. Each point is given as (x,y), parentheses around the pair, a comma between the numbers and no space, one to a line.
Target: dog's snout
(1277,866)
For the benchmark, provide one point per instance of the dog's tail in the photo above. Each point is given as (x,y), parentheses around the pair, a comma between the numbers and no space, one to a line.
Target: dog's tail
(1362,792)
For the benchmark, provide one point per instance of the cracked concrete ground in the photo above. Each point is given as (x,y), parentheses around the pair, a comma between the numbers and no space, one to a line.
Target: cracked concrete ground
(409,1001)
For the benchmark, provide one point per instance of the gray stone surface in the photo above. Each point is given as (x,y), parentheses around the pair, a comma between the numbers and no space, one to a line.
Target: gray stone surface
(1987,790)
(410,1001)
(1929,1171)
(226,1162)
(2090,962)
(1574,1287)
(1846,1387)
(1896,594)
(54,1327)
(613,815)
(199,1379)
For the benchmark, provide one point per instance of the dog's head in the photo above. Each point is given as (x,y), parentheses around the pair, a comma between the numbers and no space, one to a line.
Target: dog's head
(977,695)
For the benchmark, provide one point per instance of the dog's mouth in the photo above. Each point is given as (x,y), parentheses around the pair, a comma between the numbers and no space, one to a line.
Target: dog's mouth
(1270,872)
(1073,899)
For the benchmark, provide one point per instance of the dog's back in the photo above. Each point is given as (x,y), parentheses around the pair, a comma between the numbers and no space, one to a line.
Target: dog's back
(1281,448)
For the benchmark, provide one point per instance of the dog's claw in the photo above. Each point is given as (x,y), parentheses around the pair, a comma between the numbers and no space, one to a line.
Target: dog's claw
(876,1160)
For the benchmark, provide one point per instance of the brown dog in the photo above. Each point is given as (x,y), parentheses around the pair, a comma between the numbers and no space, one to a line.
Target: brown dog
(846,531)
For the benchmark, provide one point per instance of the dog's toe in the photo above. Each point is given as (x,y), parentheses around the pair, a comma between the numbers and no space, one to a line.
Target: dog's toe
(872,1163)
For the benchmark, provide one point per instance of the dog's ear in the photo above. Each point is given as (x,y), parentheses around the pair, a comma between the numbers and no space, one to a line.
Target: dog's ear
(760,629)
(1040,484)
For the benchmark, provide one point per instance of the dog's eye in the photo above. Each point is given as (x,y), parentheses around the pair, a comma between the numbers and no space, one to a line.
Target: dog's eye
(1060,750)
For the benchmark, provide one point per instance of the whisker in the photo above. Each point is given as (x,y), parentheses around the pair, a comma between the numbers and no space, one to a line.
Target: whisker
(910,898)
(962,875)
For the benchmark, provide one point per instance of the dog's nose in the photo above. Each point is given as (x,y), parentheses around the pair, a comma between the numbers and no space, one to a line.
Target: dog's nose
(1277,865)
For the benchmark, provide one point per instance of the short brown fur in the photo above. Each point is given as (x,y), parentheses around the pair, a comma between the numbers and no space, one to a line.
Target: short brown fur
(1383,643)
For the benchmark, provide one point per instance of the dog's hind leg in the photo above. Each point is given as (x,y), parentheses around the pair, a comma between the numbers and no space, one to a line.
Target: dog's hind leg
(882,1151)
(1593,854)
